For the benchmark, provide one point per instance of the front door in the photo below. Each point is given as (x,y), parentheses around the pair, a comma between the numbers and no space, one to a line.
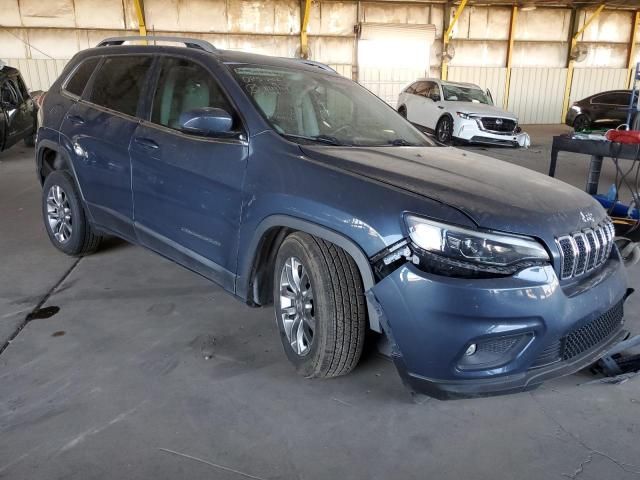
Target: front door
(424,105)
(187,189)
(18,122)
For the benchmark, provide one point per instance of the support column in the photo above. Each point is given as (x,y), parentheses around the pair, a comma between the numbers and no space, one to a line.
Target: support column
(512,30)
(304,22)
(570,67)
(139,5)
(446,37)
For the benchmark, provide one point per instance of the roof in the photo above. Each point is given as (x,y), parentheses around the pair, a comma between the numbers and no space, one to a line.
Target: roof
(447,82)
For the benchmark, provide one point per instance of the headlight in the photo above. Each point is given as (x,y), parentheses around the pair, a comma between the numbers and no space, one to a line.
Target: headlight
(457,251)
(466,116)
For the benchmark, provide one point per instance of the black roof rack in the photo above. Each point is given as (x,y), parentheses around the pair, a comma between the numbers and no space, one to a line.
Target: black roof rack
(188,42)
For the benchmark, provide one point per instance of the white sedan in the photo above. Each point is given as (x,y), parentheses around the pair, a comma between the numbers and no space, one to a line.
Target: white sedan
(459,111)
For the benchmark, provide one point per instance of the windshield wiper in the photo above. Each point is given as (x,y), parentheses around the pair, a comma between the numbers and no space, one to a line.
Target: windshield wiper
(401,142)
(315,138)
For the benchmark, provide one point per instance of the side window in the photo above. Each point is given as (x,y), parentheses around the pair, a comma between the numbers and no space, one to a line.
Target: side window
(621,98)
(24,91)
(79,78)
(421,88)
(9,94)
(119,82)
(606,99)
(184,86)
(433,91)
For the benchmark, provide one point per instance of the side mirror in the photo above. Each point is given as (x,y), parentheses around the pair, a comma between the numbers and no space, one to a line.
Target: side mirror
(435,97)
(206,121)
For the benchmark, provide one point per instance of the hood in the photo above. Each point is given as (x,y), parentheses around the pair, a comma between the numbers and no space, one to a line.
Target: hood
(480,108)
(496,195)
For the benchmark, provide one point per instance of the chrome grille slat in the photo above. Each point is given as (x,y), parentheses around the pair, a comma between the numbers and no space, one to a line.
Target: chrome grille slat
(583,251)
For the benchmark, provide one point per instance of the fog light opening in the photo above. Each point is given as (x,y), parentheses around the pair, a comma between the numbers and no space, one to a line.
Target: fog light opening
(471,350)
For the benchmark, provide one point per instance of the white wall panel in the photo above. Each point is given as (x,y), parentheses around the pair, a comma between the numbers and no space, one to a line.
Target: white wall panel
(387,83)
(535,94)
(37,74)
(10,13)
(49,13)
(550,24)
(99,14)
(486,77)
(587,81)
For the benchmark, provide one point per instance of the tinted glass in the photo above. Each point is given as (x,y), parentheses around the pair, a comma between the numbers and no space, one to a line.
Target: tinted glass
(433,91)
(184,86)
(24,92)
(119,82)
(316,107)
(621,98)
(10,96)
(612,98)
(80,77)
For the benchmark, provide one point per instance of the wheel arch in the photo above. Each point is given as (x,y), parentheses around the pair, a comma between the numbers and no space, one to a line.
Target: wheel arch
(254,282)
(50,157)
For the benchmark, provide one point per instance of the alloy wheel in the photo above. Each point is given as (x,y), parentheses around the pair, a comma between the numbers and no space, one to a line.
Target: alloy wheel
(444,130)
(297,306)
(59,214)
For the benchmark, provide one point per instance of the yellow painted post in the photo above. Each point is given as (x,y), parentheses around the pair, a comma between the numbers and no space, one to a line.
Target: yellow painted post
(570,67)
(447,36)
(139,5)
(631,59)
(512,31)
(304,40)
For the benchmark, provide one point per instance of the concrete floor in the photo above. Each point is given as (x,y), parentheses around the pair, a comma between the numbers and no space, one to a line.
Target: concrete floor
(117,384)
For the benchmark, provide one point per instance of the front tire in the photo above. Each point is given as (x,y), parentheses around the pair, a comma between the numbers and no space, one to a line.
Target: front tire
(64,216)
(444,130)
(581,123)
(320,306)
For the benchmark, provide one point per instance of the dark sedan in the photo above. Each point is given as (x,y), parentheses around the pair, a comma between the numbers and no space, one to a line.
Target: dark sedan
(605,109)
(18,111)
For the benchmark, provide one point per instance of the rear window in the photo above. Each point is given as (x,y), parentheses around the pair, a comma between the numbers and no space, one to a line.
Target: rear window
(80,77)
(118,83)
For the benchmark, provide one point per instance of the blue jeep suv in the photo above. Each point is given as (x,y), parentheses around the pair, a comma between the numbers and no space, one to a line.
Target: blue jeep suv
(286,183)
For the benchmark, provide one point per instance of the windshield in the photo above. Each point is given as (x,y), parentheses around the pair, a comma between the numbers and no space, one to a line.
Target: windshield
(316,107)
(457,93)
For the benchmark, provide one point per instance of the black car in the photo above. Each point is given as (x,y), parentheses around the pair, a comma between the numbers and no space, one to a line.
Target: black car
(605,109)
(18,111)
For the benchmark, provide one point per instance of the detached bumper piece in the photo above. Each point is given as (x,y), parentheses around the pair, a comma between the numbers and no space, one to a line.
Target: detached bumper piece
(453,338)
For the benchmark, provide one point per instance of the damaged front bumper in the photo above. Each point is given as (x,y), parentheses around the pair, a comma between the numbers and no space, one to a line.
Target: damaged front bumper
(453,337)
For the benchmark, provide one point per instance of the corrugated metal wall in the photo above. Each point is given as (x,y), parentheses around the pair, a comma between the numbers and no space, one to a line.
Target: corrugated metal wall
(387,83)
(535,94)
(38,74)
(587,81)
(493,78)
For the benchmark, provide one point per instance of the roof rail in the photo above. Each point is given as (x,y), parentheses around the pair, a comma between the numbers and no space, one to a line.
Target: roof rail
(322,66)
(188,42)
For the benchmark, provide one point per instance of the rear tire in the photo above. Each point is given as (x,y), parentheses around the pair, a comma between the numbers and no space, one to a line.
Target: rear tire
(64,217)
(322,321)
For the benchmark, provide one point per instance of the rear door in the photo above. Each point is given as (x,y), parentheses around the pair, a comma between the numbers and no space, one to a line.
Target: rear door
(426,111)
(610,108)
(27,108)
(97,131)
(187,188)
(15,126)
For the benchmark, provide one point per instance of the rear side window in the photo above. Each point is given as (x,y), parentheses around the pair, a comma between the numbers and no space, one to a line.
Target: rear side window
(118,83)
(183,86)
(80,77)
(612,98)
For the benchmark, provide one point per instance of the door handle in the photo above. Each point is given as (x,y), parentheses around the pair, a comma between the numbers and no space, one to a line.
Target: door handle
(75,119)
(146,143)
(440,107)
